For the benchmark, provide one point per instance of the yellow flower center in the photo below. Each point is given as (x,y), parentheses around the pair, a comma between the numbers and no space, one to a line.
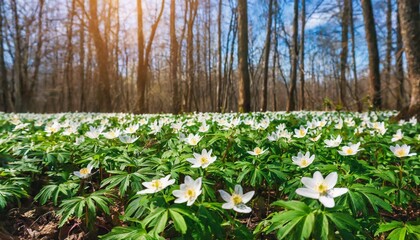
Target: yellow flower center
(156,184)
(237,199)
(84,171)
(190,193)
(400,152)
(322,188)
(304,162)
(349,151)
(301,132)
(193,141)
(203,160)
(257,150)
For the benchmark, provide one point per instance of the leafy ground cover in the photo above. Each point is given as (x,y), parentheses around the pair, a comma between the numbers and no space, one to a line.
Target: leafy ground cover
(305,175)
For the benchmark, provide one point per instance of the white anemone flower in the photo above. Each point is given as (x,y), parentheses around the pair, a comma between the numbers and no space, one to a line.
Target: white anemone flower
(84,172)
(316,138)
(192,139)
(127,138)
(397,136)
(237,200)
(401,151)
(189,191)
(204,127)
(321,189)
(131,129)
(156,185)
(331,143)
(113,133)
(94,133)
(303,160)
(257,151)
(351,149)
(202,160)
(52,128)
(301,132)
(79,140)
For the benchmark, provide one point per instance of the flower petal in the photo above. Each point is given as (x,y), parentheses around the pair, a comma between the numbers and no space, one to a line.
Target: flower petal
(238,189)
(228,205)
(225,196)
(331,180)
(327,201)
(146,191)
(318,177)
(247,196)
(309,182)
(306,192)
(242,208)
(335,192)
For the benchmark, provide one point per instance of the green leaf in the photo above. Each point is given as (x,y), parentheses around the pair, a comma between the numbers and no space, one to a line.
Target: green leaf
(179,221)
(343,221)
(285,230)
(160,226)
(308,225)
(293,205)
(127,233)
(385,227)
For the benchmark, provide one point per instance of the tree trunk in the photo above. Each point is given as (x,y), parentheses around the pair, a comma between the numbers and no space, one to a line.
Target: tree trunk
(353,54)
(82,76)
(174,59)
(144,54)
(374,76)
(410,31)
(219,57)
(291,104)
(388,58)
(17,66)
(302,56)
(5,91)
(190,52)
(68,71)
(104,94)
(344,51)
(267,56)
(399,69)
(244,93)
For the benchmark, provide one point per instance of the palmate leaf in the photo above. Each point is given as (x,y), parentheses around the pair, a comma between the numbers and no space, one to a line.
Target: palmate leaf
(80,206)
(127,233)
(298,220)
(55,191)
(400,230)
(121,178)
(344,223)
(10,192)
(360,197)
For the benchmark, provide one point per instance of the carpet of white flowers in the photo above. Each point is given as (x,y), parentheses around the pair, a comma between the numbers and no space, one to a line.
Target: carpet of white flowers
(303,175)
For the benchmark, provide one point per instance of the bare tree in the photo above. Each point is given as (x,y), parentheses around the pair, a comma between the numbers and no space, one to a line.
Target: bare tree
(388,59)
(219,57)
(372,43)
(193,4)
(267,49)
(174,59)
(104,94)
(302,55)
(409,16)
(399,70)
(344,51)
(353,54)
(144,50)
(291,104)
(5,91)
(244,97)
